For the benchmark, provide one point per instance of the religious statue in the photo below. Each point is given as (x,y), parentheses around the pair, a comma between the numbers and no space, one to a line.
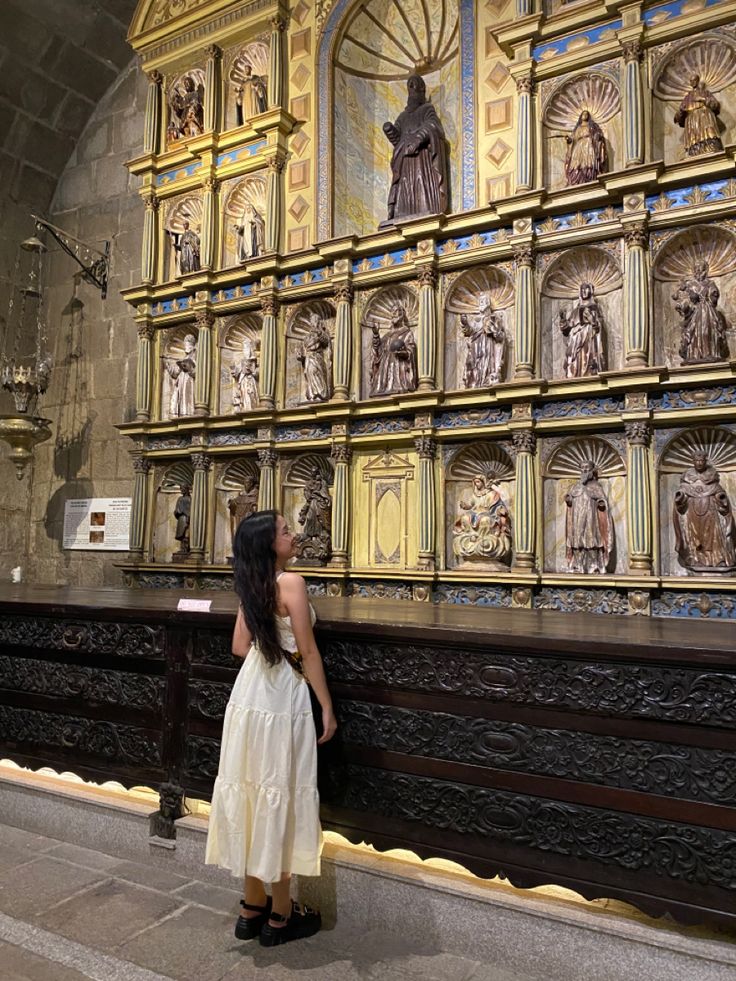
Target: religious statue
(704,326)
(705,532)
(394,363)
(589,536)
(183,372)
(419,164)
(243,504)
(257,90)
(187,250)
(314,543)
(245,375)
(182,512)
(483,529)
(485,351)
(187,110)
(251,233)
(311,356)
(586,158)
(582,328)
(697,115)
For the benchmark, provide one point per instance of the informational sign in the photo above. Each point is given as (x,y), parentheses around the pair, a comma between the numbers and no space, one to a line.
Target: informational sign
(98,524)
(194,605)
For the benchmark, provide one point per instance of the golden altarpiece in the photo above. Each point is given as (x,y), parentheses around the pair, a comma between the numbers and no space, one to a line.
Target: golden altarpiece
(520,393)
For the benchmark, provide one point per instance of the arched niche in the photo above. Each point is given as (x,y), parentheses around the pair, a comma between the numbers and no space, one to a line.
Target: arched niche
(182,215)
(246,82)
(178,370)
(244,220)
(680,260)
(563,461)
(306,480)
(236,493)
(240,361)
(170,481)
(564,307)
(378,308)
(712,56)
(480,489)
(310,333)
(479,305)
(185,95)
(596,92)
(714,516)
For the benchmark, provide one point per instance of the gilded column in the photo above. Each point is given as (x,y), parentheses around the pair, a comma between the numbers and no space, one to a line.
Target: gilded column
(633,104)
(210,216)
(637,296)
(639,497)
(342,357)
(269,346)
(198,522)
(525,321)
(427,329)
(273,202)
(341,454)
(143,374)
(426,448)
(203,377)
(267,486)
(149,248)
(152,132)
(525,518)
(212,88)
(525,133)
(276,62)
(142,468)
(524,8)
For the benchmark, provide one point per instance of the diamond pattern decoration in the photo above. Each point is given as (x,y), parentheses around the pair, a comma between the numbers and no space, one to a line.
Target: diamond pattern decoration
(300,143)
(298,208)
(493,6)
(300,76)
(498,76)
(300,12)
(499,152)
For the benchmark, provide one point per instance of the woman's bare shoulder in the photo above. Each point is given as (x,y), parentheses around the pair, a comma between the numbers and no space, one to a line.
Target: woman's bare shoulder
(292,583)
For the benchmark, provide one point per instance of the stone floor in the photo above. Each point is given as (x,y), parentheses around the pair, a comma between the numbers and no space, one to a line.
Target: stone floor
(69,913)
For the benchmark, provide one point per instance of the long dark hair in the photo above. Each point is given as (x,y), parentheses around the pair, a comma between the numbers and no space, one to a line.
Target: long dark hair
(254,571)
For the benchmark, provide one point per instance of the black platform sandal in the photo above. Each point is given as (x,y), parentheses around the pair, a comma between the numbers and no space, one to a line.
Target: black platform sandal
(303,922)
(249,927)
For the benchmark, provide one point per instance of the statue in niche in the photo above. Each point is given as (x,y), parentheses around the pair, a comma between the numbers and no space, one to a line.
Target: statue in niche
(482,531)
(582,328)
(587,157)
(705,531)
(251,233)
(182,512)
(419,164)
(311,357)
(257,90)
(187,249)
(314,543)
(183,372)
(187,110)
(485,354)
(394,364)
(243,504)
(589,534)
(245,376)
(697,115)
(703,326)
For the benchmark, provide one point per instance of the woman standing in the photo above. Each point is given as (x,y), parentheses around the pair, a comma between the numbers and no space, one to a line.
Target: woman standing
(264,822)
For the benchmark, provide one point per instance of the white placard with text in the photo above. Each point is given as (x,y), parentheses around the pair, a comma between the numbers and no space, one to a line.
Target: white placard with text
(97,524)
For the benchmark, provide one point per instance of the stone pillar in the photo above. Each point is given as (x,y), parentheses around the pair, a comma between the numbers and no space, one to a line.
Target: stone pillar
(144,374)
(639,497)
(203,377)
(341,454)
(149,248)
(525,133)
(426,448)
(276,62)
(342,360)
(210,222)
(213,89)
(142,468)
(273,202)
(633,104)
(152,132)
(637,296)
(525,518)
(198,526)
(267,486)
(427,329)
(269,345)
(525,320)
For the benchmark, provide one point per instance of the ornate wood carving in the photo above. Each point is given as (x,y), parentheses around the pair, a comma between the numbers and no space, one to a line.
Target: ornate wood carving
(94,637)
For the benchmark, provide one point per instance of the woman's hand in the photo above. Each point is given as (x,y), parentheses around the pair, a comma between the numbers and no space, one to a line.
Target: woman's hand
(329,726)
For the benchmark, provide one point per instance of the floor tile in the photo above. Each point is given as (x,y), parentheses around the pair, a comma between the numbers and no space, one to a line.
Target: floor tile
(85,856)
(33,888)
(222,900)
(18,964)
(149,875)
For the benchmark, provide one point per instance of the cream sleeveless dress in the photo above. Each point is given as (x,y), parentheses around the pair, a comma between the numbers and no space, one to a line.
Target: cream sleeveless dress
(265,806)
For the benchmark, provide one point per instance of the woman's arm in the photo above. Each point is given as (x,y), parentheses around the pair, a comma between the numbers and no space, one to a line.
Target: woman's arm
(242,637)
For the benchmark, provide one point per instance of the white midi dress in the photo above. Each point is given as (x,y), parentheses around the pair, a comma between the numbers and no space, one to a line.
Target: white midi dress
(265,806)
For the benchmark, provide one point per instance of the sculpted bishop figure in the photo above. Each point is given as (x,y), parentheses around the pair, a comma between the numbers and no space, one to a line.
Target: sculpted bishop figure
(705,533)
(588,528)
(419,165)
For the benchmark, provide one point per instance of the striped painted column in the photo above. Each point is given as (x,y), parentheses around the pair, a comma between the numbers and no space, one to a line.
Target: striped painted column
(525,133)
(198,523)
(267,485)
(525,517)
(142,468)
(525,321)
(213,89)
(210,222)
(341,454)
(426,448)
(149,246)
(637,296)
(269,345)
(639,497)
(427,329)
(633,104)
(276,62)
(203,378)
(273,202)
(152,131)
(143,374)
(524,8)
(343,353)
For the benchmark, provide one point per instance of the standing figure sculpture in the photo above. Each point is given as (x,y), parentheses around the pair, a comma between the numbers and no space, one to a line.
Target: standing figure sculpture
(314,544)
(394,363)
(245,376)
(697,115)
(183,372)
(251,232)
(704,326)
(311,356)
(419,164)
(587,157)
(187,249)
(589,536)
(244,504)
(187,110)
(702,516)
(256,89)
(483,530)
(182,512)
(485,352)
(582,328)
